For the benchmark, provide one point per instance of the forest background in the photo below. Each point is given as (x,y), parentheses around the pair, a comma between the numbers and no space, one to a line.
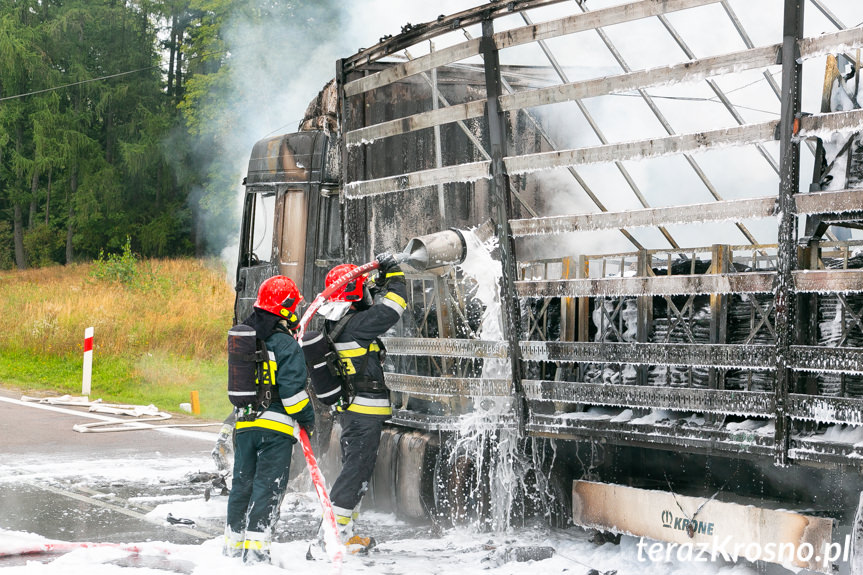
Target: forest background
(125,128)
(129,119)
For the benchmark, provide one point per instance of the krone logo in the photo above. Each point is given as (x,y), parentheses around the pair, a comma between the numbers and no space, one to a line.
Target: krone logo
(667,518)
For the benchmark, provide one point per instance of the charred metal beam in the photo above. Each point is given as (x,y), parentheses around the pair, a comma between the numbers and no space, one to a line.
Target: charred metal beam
(686,72)
(751,282)
(438,117)
(828,281)
(414,34)
(844,410)
(687,439)
(591,20)
(422,179)
(844,40)
(449,386)
(699,440)
(501,201)
(756,357)
(844,201)
(816,125)
(802,281)
(746,403)
(814,452)
(786,256)
(501,40)
(446,347)
(827,359)
(412,67)
(735,136)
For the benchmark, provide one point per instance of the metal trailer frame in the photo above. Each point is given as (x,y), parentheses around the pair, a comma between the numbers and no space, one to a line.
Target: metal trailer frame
(783,286)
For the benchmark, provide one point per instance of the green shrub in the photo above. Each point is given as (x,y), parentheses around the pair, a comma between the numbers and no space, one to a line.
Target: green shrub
(122,268)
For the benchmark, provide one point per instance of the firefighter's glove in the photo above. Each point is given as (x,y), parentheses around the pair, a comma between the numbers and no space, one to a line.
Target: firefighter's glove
(306,419)
(388,269)
(309,427)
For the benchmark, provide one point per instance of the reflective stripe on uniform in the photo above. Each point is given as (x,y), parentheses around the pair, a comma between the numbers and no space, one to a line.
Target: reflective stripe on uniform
(312,341)
(371,406)
(257,540)
(329,393)
(273,366)
(272,420)
(244,333)
(350,349)
(394,274)
(296,402)
(233,540)
(343,515)
(395,302)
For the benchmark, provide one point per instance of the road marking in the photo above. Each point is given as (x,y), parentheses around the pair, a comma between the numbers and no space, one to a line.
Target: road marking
(211,437)
(201,534)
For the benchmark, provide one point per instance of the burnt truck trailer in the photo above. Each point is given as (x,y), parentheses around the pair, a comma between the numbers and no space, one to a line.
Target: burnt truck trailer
(674,188)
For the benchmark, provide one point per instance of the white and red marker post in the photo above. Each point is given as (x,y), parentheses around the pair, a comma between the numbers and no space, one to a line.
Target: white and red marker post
(88,361)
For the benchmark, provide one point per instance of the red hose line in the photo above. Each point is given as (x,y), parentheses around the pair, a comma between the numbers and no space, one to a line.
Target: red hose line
(67,546)
(334,545)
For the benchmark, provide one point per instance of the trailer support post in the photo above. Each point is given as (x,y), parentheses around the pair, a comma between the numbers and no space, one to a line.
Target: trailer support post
(502,206)
(789,163)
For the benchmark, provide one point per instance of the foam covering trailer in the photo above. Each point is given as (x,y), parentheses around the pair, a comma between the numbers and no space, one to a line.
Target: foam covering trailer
(676,254)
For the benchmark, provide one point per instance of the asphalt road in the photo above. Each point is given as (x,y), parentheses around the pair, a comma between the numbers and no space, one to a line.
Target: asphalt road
(33,428)
(35,436)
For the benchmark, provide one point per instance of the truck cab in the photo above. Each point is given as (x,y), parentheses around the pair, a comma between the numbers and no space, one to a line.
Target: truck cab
(291,222)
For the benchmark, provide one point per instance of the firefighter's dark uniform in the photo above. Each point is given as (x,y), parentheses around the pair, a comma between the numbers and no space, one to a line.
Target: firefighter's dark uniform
(362,419)
(263,449)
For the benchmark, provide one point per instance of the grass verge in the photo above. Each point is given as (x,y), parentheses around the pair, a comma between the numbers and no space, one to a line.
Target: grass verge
(159,332)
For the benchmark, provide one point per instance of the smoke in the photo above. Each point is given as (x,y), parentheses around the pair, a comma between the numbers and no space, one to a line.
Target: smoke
(279,57)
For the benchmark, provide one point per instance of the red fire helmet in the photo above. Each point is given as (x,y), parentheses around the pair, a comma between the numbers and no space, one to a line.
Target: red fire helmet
(279,295)
(351,291)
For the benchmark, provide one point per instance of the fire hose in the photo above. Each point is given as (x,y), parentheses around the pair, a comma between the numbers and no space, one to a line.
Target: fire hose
(330,290)
(331,530)
(67,546)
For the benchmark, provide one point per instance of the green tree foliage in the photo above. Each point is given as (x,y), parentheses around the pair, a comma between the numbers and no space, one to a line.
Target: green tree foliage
(84,166)
(254,65)
(134,118)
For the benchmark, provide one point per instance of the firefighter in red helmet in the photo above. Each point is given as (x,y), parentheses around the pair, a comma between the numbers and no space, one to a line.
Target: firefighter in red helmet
(264,440)
(366,406)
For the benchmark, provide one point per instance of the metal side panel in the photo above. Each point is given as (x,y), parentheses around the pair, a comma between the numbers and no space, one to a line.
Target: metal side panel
(747,403)
(827,359)
(678,436)
(429,422)
(752,282)
(446,347)
(443,387)
(756,357)
(843,410)
(667,435)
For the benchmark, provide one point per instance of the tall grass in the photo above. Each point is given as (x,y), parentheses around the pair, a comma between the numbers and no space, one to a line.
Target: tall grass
(158,333)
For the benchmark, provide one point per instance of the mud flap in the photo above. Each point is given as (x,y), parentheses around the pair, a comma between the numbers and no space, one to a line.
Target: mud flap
(856,563)
(413,475)
(383,488)
(691,525)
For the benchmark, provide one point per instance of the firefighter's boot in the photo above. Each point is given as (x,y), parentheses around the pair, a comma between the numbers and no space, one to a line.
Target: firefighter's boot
(359,545)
